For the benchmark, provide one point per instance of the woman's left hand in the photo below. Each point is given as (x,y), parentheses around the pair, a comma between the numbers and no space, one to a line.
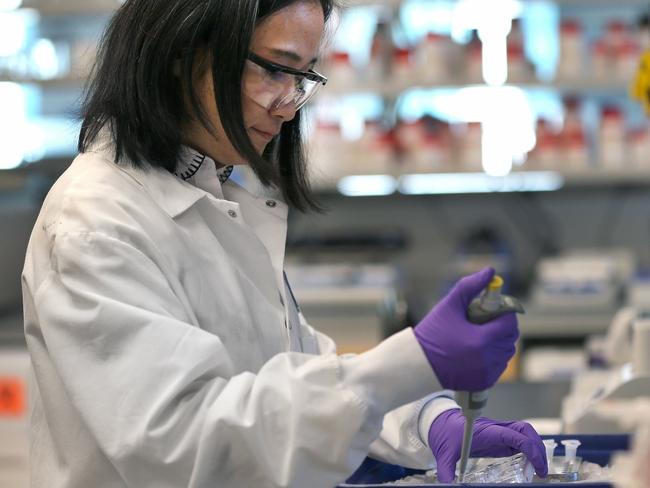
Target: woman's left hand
(491,439)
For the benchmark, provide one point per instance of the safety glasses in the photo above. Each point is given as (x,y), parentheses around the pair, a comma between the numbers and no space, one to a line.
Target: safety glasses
(274,85)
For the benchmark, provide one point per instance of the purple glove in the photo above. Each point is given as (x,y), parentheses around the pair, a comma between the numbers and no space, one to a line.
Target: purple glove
(463,355)
(491,439)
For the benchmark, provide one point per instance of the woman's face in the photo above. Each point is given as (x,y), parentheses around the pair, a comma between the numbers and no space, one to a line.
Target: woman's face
(291,37)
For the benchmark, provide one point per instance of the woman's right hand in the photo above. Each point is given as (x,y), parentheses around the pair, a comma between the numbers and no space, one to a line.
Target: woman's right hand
(465,356)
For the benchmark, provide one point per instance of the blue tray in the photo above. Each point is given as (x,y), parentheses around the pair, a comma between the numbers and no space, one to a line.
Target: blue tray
(594,448)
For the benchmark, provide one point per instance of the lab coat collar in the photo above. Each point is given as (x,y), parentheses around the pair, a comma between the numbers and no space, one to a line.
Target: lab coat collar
(175,195)
(192,161)
(170,193)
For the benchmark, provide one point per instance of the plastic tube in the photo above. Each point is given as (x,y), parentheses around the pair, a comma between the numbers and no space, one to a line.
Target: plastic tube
(570,448)
(550,446)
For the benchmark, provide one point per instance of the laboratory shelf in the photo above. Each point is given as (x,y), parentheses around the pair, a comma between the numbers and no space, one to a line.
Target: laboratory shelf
(595,3)
(628,177)
(386,89)
(561,3)
(583,86)
(12,181)
(567,324)
(392,89)
(365,3)
(68,82)
(342,295)
(76,7)
(480,183)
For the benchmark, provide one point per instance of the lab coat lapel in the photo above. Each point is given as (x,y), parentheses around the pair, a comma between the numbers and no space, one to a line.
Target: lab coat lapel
(226,220)
(267,217)
(223,218)
(240,243)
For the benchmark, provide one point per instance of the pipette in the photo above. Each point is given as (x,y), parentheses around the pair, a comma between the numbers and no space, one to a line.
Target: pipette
(488,306)
(472,404)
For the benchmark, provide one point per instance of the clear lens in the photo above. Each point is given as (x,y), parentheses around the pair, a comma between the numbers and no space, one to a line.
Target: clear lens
(299,96)
(277,89)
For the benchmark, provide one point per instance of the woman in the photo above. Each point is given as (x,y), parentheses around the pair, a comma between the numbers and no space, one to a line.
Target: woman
(166,347)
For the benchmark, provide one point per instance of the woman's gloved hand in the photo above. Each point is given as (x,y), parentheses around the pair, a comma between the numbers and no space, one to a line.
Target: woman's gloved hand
(465,356)
(491,439)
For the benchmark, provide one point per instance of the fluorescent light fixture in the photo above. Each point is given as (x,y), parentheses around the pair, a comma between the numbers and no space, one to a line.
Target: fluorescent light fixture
(496,150)
(367,185)
(45,59)
(508,129)
(12,34)
(459,183)
(7,5)
(495,58)
(12,125)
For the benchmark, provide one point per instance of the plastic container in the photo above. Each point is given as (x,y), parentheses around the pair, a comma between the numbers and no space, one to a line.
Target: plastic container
(432,59)
(519,70)
(514,469)
(404,73)
(612,142)
(571,50)
(342,74)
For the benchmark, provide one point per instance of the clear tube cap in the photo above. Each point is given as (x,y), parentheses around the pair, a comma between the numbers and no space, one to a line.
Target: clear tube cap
(570,448)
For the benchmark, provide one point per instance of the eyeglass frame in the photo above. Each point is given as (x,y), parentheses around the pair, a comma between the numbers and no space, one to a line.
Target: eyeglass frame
(267,65)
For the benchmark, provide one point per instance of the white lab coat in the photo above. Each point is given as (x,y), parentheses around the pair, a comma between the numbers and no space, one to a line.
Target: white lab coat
(163,354)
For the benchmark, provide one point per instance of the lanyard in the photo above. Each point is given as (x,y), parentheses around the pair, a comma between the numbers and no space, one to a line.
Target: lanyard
(295,302)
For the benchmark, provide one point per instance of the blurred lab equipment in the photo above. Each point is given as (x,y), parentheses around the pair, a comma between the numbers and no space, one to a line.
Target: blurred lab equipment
(631,469)
(582,279)
(617,345)
(356,304)
(617,293)
(592,388)
(480,246)
(14,408)
(622,370)
(349,285)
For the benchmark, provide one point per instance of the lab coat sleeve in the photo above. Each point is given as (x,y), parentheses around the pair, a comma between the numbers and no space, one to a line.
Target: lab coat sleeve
(162,400)
(403,439)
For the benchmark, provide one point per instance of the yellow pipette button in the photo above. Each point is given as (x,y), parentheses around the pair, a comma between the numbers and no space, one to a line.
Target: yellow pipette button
(496,284)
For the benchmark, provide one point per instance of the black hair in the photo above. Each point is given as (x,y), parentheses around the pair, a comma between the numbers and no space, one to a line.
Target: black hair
(136,89)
